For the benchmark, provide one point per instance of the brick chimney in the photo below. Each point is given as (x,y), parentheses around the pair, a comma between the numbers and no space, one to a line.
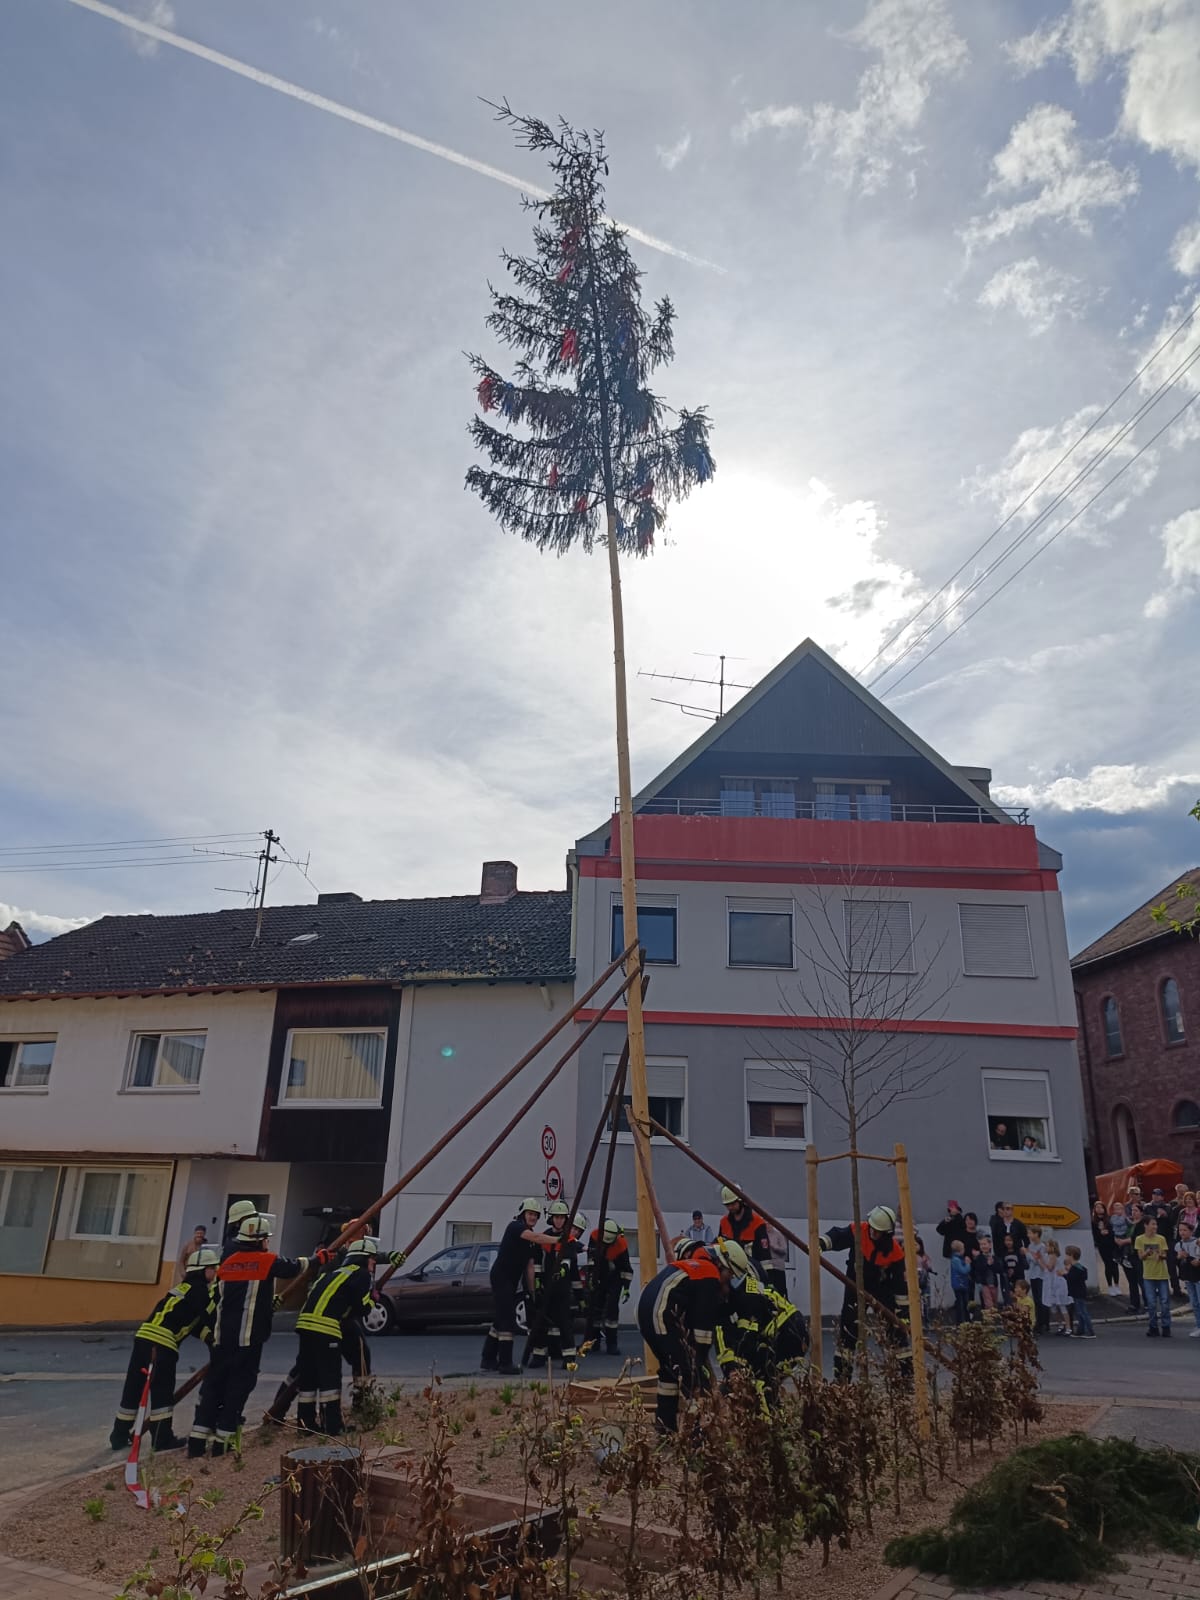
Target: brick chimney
(14,939)
(499,883)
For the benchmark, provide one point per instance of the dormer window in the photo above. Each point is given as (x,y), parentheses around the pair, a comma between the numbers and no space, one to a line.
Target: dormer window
(758,797)
(847,800)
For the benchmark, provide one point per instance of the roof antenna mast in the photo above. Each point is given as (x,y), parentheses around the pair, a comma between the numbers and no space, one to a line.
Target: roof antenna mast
(720,683)
(265,860)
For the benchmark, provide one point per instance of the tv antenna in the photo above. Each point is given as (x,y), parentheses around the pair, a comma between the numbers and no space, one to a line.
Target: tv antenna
(719,683)
(266,858)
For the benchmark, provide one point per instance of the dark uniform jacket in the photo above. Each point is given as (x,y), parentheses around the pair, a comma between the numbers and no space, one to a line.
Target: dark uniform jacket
(187,1308)
(883,1261)
(686,1300)
(246,1292)
(608,1259)
(514,1254)
(338,1296)
(750,1232)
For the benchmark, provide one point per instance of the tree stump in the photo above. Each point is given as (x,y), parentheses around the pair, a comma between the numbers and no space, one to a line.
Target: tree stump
(321,1503)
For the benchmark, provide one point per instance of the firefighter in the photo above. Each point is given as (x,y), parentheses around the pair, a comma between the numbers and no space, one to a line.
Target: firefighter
(749,1230)
(609,1277)
(338,1296)
(512,1272)
(883,1280)
(765,1336)
(187,1308)
(234,1217)
(246,1281)
(356,1353)
(555,1282)
(678,1313)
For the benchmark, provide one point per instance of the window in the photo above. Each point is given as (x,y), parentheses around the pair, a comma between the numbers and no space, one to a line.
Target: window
(656,931)
(1125,1136)
(1172,1011)
(760,933)
(777,1105)
(1110,1015)
(468,1232)
(25,1063)
(758,797)
(447,1262)
(879,935)
(1186,1117)
(666,1090)
(995,941)
(1019,1123)
(845,801)
(165,1061)
(485,1259)
(326,1068)
(112,1205)
(27,1196)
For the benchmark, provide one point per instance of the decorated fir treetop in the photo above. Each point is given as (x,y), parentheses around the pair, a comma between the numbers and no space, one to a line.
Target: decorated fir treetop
(575,437)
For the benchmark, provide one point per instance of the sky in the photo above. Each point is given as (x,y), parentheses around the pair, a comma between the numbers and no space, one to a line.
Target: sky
(916,247)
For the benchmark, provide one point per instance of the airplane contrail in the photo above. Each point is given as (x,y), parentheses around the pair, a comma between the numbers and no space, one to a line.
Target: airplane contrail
(294,91)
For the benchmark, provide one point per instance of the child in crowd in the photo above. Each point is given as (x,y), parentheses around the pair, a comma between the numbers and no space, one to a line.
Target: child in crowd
(985,1269)
(1023,1300)
(1121,1229)
(1151,1248)
(1187,1257)
(961,1281)
(1054,1289)
(1035,1272)
(1076,1278)
(1014,1268)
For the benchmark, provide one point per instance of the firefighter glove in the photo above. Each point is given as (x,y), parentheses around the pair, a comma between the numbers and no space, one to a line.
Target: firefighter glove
(624,1295)
(397,1258)
(823,1241)
(322,1256)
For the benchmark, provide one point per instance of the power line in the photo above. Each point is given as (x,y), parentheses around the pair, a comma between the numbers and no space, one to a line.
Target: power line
(1044,515)
(127,844)
(103,866)
(1021,504)
(1043,547)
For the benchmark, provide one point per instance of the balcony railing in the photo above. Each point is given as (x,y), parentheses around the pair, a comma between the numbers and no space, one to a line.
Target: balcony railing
(829,808)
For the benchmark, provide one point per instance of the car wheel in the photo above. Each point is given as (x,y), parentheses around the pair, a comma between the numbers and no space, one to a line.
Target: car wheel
(381,1318)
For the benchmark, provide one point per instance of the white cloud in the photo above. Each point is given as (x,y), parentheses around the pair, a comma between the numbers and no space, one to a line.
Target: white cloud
(1118,789)
(1036,292)
(862,145)
(39,924)
(1181,560)
(1044,154)
(1158,45)
(162,14)
(1185,250)
(672,154)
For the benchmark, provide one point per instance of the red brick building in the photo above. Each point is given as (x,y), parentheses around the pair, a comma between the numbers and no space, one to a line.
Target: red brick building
(13,940)
(1137,990)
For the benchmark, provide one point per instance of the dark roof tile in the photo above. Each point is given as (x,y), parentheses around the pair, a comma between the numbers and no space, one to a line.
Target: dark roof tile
(450,939)
(1139,926)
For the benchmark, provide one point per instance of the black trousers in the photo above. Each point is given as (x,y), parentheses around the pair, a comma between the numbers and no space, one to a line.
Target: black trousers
(162,1388)
(228,1384)
(843,1359)
(552,1325)
(604,1304)
(504,1314)
(682,1368)
(319,1375)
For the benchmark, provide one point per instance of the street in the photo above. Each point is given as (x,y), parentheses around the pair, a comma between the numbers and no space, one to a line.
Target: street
(58,1390)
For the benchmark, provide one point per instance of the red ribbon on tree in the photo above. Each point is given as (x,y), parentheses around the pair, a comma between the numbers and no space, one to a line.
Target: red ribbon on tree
(486,393)
(569,350)
(564,272)
(582,503)
(552,480)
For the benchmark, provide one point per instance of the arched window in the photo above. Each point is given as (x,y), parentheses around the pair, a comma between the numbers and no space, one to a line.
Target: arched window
(1186,1117)
(1111,1015)
(1125,1136)
(1172,1011)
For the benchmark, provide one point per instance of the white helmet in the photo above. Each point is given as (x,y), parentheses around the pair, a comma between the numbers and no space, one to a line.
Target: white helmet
(239,1211)
(366,1246)
(257,1226)
(530,1205)
(206,1256)
(882,1219)
(558,1208)
(612,1231)
(728,1197)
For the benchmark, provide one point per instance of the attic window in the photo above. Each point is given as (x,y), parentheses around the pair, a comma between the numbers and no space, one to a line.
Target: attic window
(304,938)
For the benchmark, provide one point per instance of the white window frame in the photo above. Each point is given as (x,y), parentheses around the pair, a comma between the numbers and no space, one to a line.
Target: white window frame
(869,902)
(125,1173)
(800,1069)
(1021,1074)
(453,1243)
(649,902)
(284,1104)
(651,1061)
(758,905)
(19,1041)
(129,1087)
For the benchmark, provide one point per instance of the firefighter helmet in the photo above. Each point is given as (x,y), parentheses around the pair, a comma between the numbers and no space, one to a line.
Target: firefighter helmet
(558,1208)
(686,1248)
(728,1197)
(728,1253)
(579,1221)
(256,1227)
(239,1211)
(366,1246)
(612,1231)
(206,1256)
(882,1219)
(530,1205)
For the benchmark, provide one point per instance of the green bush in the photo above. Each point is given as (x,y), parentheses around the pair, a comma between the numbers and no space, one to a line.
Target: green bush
(1062,1509)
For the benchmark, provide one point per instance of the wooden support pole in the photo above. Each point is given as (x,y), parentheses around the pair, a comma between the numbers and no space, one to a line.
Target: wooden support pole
(611,1110)
(916,1319)
(812,1164)
(641,1146)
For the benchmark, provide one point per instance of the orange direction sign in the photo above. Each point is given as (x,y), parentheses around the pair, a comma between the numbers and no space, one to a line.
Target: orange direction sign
(1046,1216)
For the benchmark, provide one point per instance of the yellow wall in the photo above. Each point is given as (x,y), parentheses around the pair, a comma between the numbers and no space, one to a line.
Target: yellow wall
(65,1302)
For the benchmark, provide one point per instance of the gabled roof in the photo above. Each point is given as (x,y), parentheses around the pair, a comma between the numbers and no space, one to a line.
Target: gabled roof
(13,939)
(449,940)
(897,731)
(1139,927)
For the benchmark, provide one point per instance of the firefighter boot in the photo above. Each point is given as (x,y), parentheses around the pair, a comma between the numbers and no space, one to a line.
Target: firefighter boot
(490,1358)
(306,1416)
(121,1436)
(163,1437)
(611,1346)
(278,1410)
(666,1409)
(331,1417)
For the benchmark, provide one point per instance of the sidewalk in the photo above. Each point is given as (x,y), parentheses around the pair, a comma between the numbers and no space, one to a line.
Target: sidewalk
(1147,1577)
(28,1580)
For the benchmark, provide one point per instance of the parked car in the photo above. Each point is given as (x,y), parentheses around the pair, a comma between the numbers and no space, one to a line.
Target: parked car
(452,1287)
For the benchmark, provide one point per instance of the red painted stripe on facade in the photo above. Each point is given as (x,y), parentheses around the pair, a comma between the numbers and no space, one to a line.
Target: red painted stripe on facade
(734,872)
(775,1019)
